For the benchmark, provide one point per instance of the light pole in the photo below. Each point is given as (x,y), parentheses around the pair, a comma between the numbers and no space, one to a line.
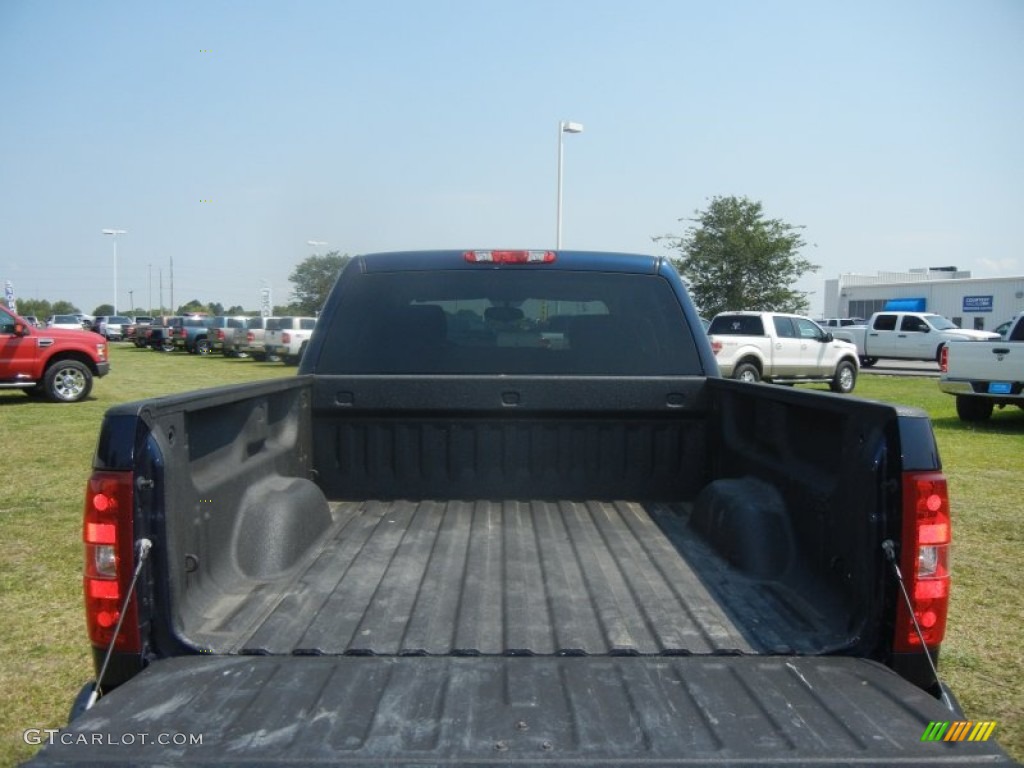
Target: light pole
(114,233)
(131,301)
(266,300)
(563,128)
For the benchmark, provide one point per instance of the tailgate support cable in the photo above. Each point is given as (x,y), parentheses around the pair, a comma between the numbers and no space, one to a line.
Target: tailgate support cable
(890,554)
(144,545)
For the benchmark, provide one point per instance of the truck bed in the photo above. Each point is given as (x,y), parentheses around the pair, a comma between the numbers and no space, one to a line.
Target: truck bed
(512,578)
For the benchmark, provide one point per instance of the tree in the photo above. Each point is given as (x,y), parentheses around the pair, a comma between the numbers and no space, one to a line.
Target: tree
(106,310)
(287,310)
(39,308)
(313,280)
(64,308)
(733,258)
(193,307)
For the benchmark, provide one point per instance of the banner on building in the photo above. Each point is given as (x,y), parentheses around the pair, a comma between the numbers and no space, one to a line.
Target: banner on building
(977,303)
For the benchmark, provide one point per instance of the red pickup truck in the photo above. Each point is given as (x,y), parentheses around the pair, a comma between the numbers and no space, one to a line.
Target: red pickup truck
(49,362)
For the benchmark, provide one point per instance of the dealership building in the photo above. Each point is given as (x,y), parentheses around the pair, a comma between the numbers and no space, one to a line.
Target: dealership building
(981,303)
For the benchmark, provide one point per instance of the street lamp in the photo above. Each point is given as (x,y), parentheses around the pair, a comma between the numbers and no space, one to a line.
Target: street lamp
(563,128)
(115,233)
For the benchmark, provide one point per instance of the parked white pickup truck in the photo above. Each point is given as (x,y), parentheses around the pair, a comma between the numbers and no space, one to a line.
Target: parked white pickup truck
(906,336)
(983,376)
(287,338)
(751,346)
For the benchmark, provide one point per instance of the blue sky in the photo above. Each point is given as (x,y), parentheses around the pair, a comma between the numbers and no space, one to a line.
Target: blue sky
(894,132)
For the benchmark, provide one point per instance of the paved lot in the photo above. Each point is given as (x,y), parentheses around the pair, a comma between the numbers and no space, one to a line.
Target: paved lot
(903,368)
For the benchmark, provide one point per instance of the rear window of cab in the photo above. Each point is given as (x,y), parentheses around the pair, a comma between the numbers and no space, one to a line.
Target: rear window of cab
(498,321)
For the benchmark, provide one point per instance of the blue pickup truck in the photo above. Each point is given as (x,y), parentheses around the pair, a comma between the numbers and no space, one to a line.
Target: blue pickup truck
(508,513)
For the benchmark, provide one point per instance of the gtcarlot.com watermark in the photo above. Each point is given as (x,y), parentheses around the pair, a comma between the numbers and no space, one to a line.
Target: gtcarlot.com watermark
(51,736)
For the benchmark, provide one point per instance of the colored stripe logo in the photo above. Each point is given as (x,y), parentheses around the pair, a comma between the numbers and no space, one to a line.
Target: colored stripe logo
(959,730)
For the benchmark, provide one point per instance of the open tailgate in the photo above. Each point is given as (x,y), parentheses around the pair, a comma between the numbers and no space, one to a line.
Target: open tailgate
(486,710)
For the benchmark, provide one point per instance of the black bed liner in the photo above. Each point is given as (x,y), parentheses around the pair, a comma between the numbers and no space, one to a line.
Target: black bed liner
(514,577)
(502,710)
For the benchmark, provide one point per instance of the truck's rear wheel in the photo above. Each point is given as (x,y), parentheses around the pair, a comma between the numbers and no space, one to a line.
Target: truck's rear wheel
(202,347)
(166,345)
(747,372)
(67,381)
(973,408)
(845,378)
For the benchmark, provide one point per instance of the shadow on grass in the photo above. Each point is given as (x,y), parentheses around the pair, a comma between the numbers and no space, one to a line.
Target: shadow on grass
(12,397)
(1009,421)
(19,398)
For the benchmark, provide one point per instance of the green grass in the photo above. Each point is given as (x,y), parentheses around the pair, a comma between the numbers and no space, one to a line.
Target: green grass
(48,448)
(44,655)
(982,659)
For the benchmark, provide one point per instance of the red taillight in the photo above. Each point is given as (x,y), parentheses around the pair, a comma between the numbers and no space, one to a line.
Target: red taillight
(182,332)
(286,338)
(944,360)
(220,334)
(510,257)
(250,337)
(716,346)
(109,560)
(924,560)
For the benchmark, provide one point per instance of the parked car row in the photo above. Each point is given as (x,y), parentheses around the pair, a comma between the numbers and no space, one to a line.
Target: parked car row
(770,346)
(110,327)
(232,336)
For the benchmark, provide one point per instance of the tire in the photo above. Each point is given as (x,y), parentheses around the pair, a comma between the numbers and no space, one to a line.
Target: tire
(259,357)
(867,362)
(166,345)
(845,378)
(67,381)
(973,408)
(747,372)
(202,347)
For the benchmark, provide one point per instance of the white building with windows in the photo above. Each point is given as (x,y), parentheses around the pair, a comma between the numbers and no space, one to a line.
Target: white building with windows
(981,303)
